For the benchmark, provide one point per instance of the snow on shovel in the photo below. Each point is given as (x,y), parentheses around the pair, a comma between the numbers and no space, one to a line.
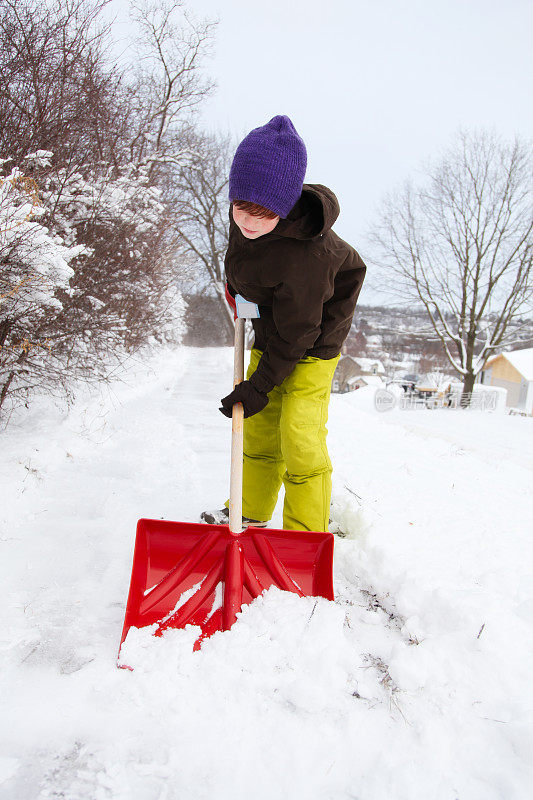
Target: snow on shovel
(195,574)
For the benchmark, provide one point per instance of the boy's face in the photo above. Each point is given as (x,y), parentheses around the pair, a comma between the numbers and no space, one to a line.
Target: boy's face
(250,226)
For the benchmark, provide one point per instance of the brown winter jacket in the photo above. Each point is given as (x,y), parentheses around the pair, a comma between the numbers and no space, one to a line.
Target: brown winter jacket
(305,280)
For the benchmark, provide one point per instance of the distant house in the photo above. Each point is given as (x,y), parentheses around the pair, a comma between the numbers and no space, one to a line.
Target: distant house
(513,371)
(369,366)
(350,367)
(364,380)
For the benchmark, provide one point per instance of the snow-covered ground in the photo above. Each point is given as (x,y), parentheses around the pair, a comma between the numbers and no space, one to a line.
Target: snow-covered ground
(415,683)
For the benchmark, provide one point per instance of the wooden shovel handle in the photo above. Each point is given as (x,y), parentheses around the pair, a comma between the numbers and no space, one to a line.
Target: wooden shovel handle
(235,488)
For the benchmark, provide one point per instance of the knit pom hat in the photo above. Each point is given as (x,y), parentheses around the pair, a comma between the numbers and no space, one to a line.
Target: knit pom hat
(269,167)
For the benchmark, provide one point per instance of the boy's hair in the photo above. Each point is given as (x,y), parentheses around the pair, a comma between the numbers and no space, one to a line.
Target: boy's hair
(254,209)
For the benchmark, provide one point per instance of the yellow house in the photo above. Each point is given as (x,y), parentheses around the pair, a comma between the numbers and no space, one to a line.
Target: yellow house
(513,371)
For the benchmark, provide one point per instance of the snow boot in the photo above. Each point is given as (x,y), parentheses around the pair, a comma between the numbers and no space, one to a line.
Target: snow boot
(221,517)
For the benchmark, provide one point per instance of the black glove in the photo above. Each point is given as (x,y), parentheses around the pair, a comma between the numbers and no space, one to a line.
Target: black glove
(252,400)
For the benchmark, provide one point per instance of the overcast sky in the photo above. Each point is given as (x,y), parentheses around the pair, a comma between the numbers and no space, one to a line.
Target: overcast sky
(374,87)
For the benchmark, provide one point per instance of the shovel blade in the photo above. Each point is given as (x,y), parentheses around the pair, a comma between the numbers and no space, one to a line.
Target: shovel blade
(196,574)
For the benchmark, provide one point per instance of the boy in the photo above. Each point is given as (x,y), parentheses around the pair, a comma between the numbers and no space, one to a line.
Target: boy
(283,255)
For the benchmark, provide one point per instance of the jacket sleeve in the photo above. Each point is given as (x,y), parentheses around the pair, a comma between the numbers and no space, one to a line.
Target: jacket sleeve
(297,313)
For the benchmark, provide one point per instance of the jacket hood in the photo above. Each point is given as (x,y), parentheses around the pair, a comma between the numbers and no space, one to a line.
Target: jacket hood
(313,214)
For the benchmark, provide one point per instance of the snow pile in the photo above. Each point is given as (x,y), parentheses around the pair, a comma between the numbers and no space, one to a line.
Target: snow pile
(415,683)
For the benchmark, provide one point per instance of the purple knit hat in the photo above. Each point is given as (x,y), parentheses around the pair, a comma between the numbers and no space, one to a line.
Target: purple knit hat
(269,167)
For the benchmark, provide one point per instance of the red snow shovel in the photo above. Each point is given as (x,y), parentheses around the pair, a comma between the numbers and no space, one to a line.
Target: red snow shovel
(195,574)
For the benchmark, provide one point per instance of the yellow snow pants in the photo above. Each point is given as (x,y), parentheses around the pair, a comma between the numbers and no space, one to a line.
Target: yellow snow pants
(286,442)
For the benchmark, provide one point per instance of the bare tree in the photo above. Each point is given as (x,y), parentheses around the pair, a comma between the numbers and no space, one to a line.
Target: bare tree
(201,207)
(460,243)
(168,86)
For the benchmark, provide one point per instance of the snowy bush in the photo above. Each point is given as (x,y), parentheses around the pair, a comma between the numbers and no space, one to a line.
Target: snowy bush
(87,282)
(121,287)
(35,268)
